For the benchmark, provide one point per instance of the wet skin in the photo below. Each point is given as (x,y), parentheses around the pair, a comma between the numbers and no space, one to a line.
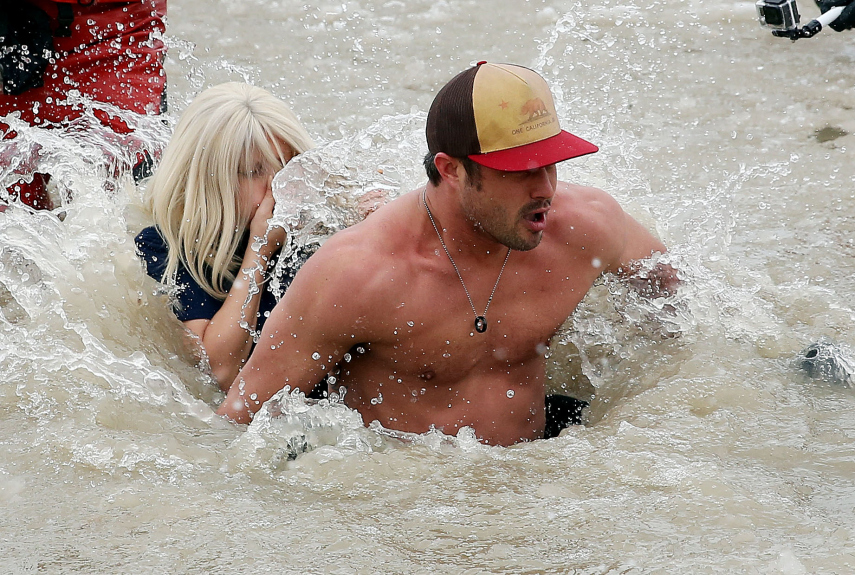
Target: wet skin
(226,343)
(386,286)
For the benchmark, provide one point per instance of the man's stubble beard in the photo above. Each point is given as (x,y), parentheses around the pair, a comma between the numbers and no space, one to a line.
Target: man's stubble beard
(494,220)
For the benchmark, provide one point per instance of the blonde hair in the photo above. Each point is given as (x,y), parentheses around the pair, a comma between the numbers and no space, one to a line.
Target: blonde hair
(193,196)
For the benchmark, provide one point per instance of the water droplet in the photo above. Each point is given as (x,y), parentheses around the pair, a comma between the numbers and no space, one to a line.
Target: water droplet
(411,323)
(254,396)
(510,393)
(316,356)
(347,357)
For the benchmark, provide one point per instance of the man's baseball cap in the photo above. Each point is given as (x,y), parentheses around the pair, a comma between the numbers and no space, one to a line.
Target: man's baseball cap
(503,117)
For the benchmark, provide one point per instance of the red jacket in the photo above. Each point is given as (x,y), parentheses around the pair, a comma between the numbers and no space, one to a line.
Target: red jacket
(112,56)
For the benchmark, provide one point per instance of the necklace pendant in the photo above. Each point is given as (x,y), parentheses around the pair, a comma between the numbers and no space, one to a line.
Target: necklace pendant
(480,324)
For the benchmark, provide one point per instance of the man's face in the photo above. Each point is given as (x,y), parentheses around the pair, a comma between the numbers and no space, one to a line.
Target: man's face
(511,207)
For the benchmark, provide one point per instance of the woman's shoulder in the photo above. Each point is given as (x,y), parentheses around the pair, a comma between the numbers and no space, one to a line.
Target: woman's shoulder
(191,300)
(153,249)
(149,240)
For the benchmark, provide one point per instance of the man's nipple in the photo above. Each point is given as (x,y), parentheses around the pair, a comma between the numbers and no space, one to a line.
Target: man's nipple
(427,375)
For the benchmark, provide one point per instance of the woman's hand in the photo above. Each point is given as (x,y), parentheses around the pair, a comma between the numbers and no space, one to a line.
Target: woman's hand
(258,227)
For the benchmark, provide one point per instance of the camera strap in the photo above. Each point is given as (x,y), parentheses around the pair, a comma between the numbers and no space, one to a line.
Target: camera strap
(65,18)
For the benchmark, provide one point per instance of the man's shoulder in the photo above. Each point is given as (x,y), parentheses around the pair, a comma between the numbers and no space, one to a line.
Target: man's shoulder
(586,208)
(384,230)
(376,246)
(353,250)
(586,200)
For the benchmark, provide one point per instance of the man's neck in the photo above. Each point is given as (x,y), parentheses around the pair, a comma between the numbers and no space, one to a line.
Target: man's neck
(465,239)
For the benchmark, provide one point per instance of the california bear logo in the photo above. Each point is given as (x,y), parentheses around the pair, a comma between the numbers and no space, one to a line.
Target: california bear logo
(534,108)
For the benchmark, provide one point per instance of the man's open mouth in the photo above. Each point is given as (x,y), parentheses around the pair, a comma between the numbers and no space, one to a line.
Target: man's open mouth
(536,217)
(536,220)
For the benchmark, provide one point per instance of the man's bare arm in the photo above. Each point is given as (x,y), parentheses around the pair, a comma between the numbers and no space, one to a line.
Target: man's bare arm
(639,244)
(309,331)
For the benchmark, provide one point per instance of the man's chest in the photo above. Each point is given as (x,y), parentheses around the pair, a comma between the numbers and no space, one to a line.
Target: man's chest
(430,324)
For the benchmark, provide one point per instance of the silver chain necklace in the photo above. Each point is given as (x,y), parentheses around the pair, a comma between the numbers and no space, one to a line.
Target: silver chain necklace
(480,320)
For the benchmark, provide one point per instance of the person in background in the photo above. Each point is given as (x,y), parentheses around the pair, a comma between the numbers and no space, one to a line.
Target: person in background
(846,20)
(210,199)
(107,51)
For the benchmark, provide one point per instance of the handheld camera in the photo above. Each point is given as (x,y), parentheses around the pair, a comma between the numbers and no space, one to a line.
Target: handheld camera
(782,16)
(778,14)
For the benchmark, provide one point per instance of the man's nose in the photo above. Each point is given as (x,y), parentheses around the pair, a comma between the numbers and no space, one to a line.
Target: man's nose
(543,182)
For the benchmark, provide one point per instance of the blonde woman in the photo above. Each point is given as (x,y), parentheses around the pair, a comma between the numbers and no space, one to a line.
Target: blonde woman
(210,197)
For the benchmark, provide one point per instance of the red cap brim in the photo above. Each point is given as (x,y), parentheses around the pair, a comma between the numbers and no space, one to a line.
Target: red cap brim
(558,148)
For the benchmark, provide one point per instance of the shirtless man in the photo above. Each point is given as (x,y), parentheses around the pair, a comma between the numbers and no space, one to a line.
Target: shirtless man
(454,290)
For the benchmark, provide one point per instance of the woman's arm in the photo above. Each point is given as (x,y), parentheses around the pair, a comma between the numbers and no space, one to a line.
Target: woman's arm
(226,343)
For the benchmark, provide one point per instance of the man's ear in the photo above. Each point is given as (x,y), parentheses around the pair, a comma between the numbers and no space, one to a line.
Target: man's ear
(447,167)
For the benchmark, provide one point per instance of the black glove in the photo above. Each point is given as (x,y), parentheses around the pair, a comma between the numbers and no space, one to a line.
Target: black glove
(26,46)
(846,20)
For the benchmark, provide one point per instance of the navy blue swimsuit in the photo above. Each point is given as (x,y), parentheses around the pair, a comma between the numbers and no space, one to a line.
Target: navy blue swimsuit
(193,302)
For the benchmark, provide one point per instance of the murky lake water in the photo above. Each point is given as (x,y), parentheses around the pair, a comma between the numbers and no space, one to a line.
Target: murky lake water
(706,452)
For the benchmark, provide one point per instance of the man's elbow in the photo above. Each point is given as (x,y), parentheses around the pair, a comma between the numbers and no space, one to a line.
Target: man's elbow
(235,410)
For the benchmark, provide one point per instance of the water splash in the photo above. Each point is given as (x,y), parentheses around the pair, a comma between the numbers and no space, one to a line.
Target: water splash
(339,183)
(289,425)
